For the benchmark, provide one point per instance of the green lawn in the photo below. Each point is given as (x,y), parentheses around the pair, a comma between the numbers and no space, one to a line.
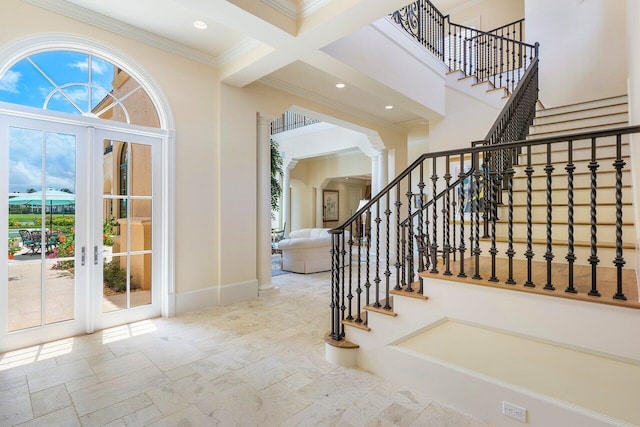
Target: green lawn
(31,217)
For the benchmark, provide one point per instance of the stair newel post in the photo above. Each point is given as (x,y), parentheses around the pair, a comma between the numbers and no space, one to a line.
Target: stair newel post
(593,209)
(398,205)
(350,294)
(387,272)
(476,213)
(409,227)
(336,321)
(434,241)
(462,177)
(510,252)
(571,256)
(446,219)
(548,255)
(493,251)
(619,261)
(421,248)
(529,252)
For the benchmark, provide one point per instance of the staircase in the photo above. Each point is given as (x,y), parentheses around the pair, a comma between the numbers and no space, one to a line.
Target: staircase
(590,116)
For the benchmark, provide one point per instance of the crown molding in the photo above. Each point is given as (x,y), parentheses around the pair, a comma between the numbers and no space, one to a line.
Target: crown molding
(101,21)
(295,11)
(244,46)
(307,94)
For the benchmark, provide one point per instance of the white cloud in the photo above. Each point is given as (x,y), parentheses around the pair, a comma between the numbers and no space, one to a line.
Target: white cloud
(98,67)
(9,81)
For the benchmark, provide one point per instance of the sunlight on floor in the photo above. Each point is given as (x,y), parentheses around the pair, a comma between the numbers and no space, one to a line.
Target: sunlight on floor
(36,353)
(127,331)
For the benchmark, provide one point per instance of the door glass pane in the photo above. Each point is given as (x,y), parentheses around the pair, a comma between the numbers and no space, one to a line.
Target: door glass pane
(127,213)
(140,171)
(25,294)
(41,227)
(140,279)
(114,278)
(59,301)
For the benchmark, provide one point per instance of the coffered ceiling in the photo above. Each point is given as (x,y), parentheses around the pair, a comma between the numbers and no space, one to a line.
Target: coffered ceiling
(277,42)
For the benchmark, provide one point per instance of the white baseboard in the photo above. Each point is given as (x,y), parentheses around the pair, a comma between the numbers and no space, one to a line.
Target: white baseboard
(214,296)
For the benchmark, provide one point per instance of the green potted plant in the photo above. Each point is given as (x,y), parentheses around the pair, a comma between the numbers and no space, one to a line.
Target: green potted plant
(13,247)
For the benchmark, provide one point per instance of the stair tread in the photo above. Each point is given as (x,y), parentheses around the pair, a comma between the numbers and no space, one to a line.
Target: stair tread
(577,130)
(581,119)
(359,325)
(579,243)
(414,294)
(614,99)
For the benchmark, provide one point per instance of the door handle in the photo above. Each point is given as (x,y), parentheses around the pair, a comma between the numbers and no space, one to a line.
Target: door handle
(95,255)
(83,255)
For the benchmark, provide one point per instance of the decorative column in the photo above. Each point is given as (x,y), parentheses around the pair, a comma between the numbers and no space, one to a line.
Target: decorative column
(286,199)
(374,175)
(263,205)
(383,169)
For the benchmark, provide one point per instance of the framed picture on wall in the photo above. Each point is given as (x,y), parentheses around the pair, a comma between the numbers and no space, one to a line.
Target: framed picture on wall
(330,205)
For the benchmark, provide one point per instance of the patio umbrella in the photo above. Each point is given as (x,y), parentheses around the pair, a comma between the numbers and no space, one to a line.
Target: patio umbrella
(52,198)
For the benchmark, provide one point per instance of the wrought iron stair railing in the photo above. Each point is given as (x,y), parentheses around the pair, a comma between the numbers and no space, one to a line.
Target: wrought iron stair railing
(445,214)
(498,56)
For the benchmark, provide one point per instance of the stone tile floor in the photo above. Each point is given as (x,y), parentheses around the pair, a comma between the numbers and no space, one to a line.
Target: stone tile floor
(256,363)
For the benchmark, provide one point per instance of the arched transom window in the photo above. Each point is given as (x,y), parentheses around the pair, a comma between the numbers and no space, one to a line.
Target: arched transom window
(78,83)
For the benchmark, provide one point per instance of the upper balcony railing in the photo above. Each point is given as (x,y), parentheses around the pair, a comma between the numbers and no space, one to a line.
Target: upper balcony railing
(289,121)
(498,56)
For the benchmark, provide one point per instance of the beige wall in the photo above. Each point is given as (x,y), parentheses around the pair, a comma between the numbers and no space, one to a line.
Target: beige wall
(582,48)
(191,91)
(491,13)
(311,176)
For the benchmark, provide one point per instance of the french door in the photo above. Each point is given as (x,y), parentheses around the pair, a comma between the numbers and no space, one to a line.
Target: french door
(80,217)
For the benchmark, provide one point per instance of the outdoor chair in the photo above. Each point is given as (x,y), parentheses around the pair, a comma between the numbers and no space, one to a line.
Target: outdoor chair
(31,240)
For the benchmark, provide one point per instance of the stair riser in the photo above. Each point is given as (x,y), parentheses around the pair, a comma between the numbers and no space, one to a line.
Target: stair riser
(599,103)
(560,232)
(560,158)
(539,183)
(580,115)
(580,196)
(580,214)
(578,130)
(605,255)
(576,125)
(578,144)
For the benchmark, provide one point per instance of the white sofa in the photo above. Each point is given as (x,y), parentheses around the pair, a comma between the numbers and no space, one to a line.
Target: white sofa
(307,250)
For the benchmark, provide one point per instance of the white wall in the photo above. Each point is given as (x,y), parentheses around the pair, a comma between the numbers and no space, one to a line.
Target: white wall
(467,120)
(582,48)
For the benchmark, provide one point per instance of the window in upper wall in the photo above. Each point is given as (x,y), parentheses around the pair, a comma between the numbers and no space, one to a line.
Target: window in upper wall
(78,83)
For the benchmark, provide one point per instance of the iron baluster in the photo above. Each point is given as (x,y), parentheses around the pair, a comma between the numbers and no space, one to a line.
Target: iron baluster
(462,176)
(493,251)
(377,278)
(476,211)
(548,255)
(387,272)
(619,261)
(367,283)
(571,257)
(343,306)
(404,254)
(446,247)
(409,238)
(593,259)
(350,295)
(529,252)
(434,244)
(510,252)
(421,249)
(360,235)
(398,205)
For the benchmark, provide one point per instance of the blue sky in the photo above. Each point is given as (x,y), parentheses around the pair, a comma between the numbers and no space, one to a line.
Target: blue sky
(61,79)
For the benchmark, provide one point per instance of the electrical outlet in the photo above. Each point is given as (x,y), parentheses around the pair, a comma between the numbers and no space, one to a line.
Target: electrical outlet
(513,411)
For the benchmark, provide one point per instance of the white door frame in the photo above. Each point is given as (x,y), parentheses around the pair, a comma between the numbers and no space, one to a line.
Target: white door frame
(163,234)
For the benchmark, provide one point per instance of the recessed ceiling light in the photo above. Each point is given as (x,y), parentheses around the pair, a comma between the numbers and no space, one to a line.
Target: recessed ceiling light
(340,85)
(200,25)
(389,107)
